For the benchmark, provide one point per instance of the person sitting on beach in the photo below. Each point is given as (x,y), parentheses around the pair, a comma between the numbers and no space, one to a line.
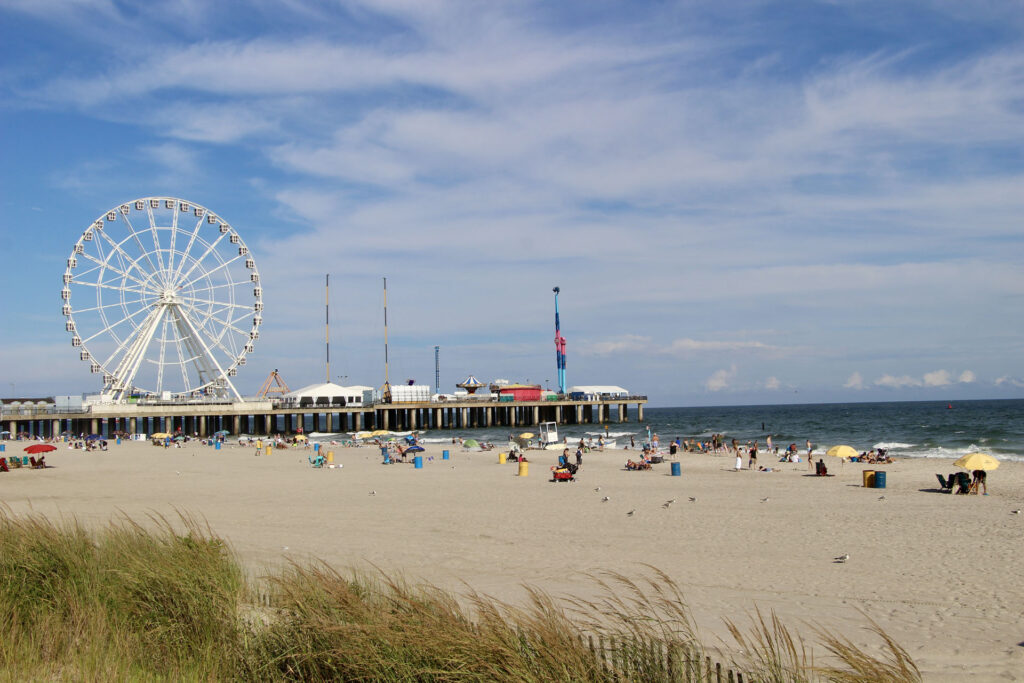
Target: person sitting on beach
(564,457)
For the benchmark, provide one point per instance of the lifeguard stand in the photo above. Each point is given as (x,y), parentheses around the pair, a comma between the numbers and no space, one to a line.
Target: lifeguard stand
(273,385)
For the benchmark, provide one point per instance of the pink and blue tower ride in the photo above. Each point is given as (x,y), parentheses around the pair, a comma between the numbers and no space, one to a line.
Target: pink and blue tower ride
(559,347)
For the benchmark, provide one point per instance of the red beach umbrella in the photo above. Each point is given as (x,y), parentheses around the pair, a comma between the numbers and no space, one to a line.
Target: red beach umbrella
(40,448)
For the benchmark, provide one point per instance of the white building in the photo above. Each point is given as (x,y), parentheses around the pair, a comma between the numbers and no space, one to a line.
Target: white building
(327,395)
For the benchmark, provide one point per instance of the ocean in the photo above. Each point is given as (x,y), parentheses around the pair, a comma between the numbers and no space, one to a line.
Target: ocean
(917,430)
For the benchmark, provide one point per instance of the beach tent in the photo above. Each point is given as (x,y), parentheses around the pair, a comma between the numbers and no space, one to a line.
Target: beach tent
(326,394)
(598,390)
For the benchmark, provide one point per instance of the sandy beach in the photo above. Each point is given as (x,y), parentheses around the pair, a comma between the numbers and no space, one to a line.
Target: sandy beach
(939,572)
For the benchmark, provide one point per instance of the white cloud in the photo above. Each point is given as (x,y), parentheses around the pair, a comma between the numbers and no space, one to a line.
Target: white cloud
(855,381)
(897,382)
(687,345)
(967,377)
(720,379)
(772,383)
(1012,381)
(937,378)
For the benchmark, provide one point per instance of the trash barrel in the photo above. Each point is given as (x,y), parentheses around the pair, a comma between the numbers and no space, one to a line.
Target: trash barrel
(270,449)
(316,448)
(880,479)
(869,479)
(502,458)
(418,462)
(217,446)
(330,457)
(118,441)
(445,455)
(3,448)
(677,470)
(524,469)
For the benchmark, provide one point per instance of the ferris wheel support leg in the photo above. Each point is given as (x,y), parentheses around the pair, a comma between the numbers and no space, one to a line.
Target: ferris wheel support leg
(220,371)
(129,366)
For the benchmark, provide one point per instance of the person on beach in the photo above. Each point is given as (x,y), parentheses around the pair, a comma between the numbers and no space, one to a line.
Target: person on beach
(753,456)
(979,481)
(769,444)
(810,449)
(579,457)
(600,442)
(739,460)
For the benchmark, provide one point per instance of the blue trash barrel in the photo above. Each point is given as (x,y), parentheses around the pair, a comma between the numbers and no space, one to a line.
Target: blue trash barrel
(217,447)
(418,462)
(445,455)
(879,479)
(677,470)
(316,448)
(3,448)
(118,441)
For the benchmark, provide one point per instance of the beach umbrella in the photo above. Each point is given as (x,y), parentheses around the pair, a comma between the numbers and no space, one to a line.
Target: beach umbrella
(361,435)
(977,461)
(379,432)
(40,448)
(414,449)
(301,437)
(471,443)
(526,435)
(159,435)
(222,432)
(93,437)
(179,438)
(843,452)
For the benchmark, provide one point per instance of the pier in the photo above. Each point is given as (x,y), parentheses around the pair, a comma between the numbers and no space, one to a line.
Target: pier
(269,417)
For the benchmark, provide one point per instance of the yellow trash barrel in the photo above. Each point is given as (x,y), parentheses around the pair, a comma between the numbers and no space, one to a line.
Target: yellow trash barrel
(330,457)
(869,479)
(524,469)
(502,458)
(270,449)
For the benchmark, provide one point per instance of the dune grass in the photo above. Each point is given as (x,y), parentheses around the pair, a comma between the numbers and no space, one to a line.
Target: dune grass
(169,601)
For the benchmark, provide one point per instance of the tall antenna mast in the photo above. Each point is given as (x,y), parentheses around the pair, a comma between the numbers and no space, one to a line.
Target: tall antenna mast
(327,306)
(387,383)
(559,347)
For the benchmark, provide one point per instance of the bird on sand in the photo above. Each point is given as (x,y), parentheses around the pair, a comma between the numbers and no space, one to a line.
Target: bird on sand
(881,498)
(598,488)
(373,493)
(765,500)
(606,499)
(1015,512)
(693,499)
(842,558)
(631,513)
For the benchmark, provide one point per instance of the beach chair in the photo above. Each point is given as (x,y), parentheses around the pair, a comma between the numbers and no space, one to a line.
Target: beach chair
(946,485)
(317,461)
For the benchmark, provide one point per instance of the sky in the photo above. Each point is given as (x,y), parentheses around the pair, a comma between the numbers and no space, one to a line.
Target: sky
(742,202)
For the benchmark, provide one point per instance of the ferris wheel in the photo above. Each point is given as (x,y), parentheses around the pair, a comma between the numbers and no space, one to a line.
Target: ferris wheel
(162,296)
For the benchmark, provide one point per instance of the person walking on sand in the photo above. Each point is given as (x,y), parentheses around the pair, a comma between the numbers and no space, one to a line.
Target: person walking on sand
(752,463)
(739,460)
(769,449)
(259,446)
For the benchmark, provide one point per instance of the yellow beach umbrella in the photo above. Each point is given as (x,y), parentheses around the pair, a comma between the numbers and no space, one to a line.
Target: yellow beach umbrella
(380,432)
(844,452)
(977,461)
(301,437)
(526,435)
(361,435)
(159,435)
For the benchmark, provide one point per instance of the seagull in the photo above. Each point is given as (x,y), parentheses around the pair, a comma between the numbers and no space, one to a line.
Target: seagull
(598,488)
(284,547)
(765,500)
(881,498)
(373,493)
(670,501)
(693,499)
(631,513)
(606,499)
(667,504)
(842,558)
(177,472)
(1015,512)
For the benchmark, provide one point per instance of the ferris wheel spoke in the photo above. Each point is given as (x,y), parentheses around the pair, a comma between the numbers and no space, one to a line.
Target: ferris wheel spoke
(155,236)
(200,327)
(102,285)
(110,327)
(209,250)
(223,304)
(102,307)
(138,243)
(134,349)
(163,354)
(212,315)
(106,265)
(188,248)
(122,254)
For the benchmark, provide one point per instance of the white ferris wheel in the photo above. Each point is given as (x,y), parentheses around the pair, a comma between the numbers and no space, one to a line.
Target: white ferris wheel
(162,295)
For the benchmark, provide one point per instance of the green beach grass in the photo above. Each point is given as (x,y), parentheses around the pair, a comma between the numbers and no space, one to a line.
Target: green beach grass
(170,601)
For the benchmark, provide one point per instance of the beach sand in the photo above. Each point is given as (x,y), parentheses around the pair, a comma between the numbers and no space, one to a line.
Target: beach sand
(940,573)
